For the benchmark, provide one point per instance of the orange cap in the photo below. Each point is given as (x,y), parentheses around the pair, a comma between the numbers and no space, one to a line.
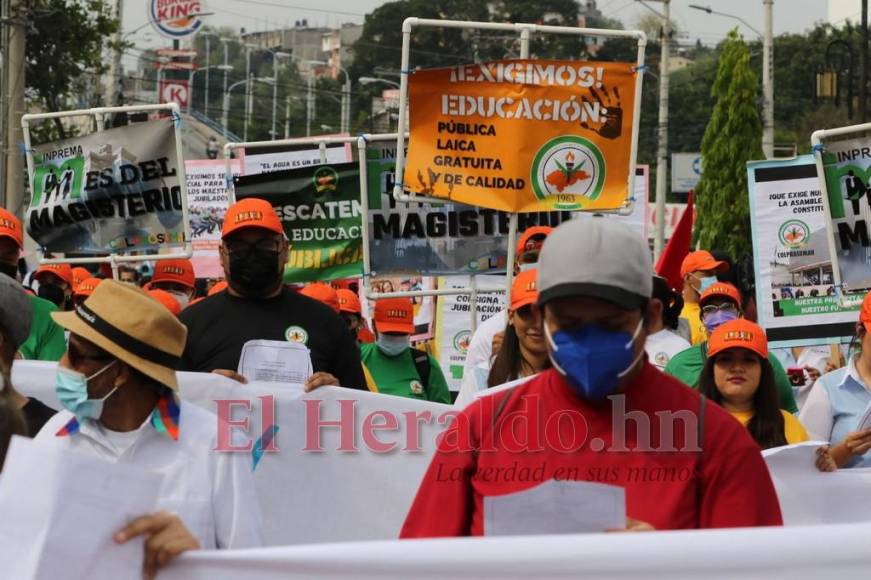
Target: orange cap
(348,301)
(738,333)
(167,300)
(86,286)
(524,290)
(322,293)
(178,271)
(80,275)
(218,287)
(10,227)
(525,243)
(62,271)
(251,212)
(702,260)
(865,312)
(394,315)
(721,289)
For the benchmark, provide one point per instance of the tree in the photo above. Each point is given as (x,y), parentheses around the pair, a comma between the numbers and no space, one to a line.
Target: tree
(64,47)
(732,138)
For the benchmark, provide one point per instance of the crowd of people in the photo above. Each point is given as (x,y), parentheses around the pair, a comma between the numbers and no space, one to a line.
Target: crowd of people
(588,326)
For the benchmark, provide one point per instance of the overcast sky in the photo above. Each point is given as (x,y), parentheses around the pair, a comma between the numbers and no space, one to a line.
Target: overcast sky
(254,15)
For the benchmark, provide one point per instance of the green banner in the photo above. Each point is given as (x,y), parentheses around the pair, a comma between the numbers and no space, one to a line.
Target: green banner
(321,212)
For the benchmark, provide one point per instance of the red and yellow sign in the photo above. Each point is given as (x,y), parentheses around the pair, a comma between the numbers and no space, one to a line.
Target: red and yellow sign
(523,135)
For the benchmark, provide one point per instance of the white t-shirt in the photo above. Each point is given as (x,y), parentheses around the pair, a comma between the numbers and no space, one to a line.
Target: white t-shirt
(663,345)
(481,346)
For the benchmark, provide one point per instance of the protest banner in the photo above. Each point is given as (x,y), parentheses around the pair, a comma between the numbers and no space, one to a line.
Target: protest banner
(436,239)
(795,293)
(637,220)
(523,135)
(207,204)
(114,191)
(272,158)
(321,212)
(454,321)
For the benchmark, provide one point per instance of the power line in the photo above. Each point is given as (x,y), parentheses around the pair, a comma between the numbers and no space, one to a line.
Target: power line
(294,7)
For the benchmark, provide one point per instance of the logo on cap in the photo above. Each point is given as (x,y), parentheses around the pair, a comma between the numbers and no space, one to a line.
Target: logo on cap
(568,166)
(296,334)
(794,234)
(247,216)
(396,313)
(325,180)
(738,335)
(8,224)
(173,270)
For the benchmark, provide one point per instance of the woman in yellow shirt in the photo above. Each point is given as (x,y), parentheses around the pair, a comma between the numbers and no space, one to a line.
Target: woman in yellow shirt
(738,377)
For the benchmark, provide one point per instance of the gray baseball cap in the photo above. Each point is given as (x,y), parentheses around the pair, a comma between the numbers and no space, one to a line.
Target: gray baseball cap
(597,257)
(15,311)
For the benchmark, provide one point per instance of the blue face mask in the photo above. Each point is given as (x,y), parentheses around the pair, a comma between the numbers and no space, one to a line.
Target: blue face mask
(592,358)
(715,319)
(705,283)
(72,392)
(393,345)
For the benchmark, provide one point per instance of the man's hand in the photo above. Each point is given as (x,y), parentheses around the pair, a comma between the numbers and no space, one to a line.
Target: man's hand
(320,380)
(855,443)
(496,345)
(231,375)
(165,538)
(812,374)
(825,462)
(633,525)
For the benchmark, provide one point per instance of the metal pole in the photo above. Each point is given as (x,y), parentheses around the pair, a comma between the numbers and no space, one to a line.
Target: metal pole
(346,105)
(274,92)
(287,116)
(226,112)
(15,82)
(309,106)
(247,91)
(115,70)
(768,81)
(863,66)
(208,61)
(226,68)
(662,148)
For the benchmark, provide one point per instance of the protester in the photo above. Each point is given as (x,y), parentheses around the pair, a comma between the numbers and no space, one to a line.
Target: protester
(839,400)
(167,300)
(351,312)
(217,287)
(15,320)
(85,289)
(720,303)
(323,293)
(129,275)
(738,377)
(594,288)
(177,278)
(804,365)
(55,284)
(118,385)
(80,275)
(392,366)
(523,352)
(487,338)
(257,305)
(46,340)
(663,342)
(699,271)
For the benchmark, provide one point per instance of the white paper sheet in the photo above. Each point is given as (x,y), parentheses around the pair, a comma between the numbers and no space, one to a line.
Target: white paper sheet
(61,509)
(556,507)
(275,361)
(799,457)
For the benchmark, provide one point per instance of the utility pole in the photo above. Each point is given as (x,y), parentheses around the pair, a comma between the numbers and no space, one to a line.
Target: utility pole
(14,64)
(662,145)
(287,117)
(115,64)
(247,92)
(208,61)
(863,66)
(768,80)
(274,92)
(309,105)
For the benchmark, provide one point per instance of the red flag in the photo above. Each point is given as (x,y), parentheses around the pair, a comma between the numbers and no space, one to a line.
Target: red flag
(677,248)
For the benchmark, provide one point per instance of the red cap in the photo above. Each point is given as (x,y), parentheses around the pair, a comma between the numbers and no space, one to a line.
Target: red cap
(525,243)
(348,301)
(721,289)
(394,315)
(62,271)
(218,287)
(80,275)
(86,286)
(524,290)
(167,300)
(178,271)
(738,333)
(251,212)
(702,260)
(322,293)
(10,227)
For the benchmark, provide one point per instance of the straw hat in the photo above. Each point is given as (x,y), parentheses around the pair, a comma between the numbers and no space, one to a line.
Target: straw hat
(127,323)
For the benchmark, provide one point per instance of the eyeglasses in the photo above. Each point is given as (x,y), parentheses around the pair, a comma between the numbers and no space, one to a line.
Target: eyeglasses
(711,308)
(243,247)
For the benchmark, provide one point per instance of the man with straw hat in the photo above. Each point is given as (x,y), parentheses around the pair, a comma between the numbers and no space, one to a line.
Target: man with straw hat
(118,385)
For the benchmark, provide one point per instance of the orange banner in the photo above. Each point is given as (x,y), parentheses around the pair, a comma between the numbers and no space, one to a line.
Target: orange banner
(523,135)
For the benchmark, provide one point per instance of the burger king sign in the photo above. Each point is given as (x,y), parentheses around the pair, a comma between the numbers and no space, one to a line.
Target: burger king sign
(176,18)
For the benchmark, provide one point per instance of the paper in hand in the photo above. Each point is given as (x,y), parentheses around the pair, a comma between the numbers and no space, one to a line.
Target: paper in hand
(275,361)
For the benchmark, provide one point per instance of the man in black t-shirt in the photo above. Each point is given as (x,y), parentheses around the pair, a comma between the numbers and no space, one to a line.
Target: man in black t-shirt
(257,306)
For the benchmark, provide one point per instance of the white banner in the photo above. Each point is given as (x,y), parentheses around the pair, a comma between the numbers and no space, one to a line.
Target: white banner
(280,158)
(686,170)
(207,204)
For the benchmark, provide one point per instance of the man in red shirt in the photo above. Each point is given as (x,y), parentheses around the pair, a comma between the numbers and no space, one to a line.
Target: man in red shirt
(602,414)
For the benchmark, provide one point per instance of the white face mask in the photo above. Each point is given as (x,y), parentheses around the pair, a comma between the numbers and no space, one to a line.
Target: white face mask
(182,298)
(529,266)
(393,345)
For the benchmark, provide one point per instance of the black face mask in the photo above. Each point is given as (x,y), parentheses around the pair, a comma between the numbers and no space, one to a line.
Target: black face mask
(10,270)
(254,273)
(52,293)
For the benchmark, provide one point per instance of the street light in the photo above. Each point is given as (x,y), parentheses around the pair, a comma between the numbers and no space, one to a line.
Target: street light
(275,57)
(247,81)
(767,66)
(223,67)
(372,80)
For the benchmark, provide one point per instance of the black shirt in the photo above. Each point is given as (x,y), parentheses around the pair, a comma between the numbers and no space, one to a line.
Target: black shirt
(36,414)
(220,325)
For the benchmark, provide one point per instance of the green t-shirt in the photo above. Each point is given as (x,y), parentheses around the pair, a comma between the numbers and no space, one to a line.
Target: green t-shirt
(687,365)
(46,340)
(397,375)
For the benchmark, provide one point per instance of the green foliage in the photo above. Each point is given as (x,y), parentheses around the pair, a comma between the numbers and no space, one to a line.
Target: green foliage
(732,138)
